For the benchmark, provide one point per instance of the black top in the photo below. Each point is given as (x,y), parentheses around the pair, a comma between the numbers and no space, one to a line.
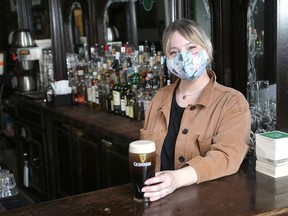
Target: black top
(168,148)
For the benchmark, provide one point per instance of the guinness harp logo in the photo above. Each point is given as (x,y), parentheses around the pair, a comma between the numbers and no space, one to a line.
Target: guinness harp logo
(142,157)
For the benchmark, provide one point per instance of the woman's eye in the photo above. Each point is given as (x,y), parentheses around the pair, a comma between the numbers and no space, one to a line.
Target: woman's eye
(173,53)
(191,48)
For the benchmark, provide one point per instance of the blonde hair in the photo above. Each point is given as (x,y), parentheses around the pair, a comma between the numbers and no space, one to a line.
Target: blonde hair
(190,30)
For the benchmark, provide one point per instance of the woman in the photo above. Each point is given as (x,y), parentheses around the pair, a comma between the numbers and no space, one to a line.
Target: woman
(201,128)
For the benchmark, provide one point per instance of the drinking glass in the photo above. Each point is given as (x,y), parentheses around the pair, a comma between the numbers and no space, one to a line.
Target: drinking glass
(7,184)
(253,100)
(263,94)
(142,159)
(253,94)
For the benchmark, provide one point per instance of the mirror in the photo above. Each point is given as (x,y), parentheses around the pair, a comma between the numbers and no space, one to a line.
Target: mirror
(40,19)
(76,16)
(255,38)
(200,12)
(136,21)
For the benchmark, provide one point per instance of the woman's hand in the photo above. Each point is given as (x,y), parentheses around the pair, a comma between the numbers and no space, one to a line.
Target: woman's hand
(161,185)
(166,182)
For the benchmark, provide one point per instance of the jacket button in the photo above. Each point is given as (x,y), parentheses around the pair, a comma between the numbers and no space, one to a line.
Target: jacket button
(181,159)
(185,131)
(192,108)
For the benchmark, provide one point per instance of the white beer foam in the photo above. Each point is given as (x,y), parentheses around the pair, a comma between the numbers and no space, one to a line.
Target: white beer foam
(142,146)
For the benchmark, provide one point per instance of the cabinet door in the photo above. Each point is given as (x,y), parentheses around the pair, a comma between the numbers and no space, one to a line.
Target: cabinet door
(88,161)
(37,162)
(115,164)
(31,143)
(63,159)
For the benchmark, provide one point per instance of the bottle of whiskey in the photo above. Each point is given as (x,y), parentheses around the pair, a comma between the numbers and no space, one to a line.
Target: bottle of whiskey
(93,86)
(81,85)
(117,96)
(108,95)
(123,98)
(89,91)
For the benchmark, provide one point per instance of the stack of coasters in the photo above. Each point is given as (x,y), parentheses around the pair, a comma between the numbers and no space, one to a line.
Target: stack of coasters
(272,153)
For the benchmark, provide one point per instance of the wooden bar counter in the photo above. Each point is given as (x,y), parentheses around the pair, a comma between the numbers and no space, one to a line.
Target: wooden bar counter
(244,193)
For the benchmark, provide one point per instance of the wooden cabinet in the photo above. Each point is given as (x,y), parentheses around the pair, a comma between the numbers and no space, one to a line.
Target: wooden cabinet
(88,160)
(62,160)
(115,162)
(76,158)
(71,150)
(84,159)
(31,149)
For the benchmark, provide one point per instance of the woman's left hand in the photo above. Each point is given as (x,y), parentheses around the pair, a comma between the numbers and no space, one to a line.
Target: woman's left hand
(159,186)
(166,182)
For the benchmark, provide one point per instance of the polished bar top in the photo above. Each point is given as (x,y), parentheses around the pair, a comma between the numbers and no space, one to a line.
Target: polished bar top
(245,193)
(104,123)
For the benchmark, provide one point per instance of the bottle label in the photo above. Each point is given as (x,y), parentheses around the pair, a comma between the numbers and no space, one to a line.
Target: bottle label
(97,101)
(112,105)
(116,98)
(89,94)
(127,110)
(93,96)
(123,105)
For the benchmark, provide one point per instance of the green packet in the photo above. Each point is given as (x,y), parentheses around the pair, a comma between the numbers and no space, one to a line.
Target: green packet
(274,134)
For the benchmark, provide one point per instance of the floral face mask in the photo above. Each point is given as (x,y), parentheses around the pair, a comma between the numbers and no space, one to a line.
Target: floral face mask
(188,66)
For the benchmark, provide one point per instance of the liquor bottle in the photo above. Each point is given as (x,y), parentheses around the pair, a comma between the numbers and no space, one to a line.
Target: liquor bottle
(101,51)
(93,86)
(153,52)
(155,85)
(122,59)
(136,77)
(89,91)
(74,94)
(117,96)
(26,170)
(81,85)
(140,113)
(161,70)
(104,90)
(130,70)
(129,95)
(123,98)
(97,95)
(109,95)
(109,98)
(141,55)
(49,65)
(132,102)
(146,51)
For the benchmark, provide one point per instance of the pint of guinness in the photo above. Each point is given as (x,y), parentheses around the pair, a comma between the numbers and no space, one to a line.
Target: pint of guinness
(142,158)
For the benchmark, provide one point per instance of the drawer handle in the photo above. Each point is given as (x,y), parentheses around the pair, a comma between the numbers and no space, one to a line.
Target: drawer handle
(107,143)
(66,126)
(78,133)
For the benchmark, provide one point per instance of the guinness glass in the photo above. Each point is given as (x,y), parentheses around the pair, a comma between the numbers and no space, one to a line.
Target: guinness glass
(142,158)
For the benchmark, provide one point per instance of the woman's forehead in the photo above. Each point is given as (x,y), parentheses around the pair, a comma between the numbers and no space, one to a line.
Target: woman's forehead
(178,40)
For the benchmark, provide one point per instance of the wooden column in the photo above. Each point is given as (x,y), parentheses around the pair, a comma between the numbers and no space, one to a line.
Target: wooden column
(24,14)
(282,65)
(57,36)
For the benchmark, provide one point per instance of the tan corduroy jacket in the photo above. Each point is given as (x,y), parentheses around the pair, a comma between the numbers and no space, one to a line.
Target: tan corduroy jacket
(214,134)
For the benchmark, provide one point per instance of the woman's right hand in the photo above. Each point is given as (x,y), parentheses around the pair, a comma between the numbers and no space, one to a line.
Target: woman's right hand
(166,182)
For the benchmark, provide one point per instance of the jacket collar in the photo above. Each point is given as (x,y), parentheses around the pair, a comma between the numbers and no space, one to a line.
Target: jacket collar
(204,98)
(206,95)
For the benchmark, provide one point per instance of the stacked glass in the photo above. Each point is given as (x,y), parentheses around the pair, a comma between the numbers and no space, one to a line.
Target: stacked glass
(263,110)
(7,184)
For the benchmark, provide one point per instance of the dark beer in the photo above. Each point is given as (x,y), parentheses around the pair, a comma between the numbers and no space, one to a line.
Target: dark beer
(142,158)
